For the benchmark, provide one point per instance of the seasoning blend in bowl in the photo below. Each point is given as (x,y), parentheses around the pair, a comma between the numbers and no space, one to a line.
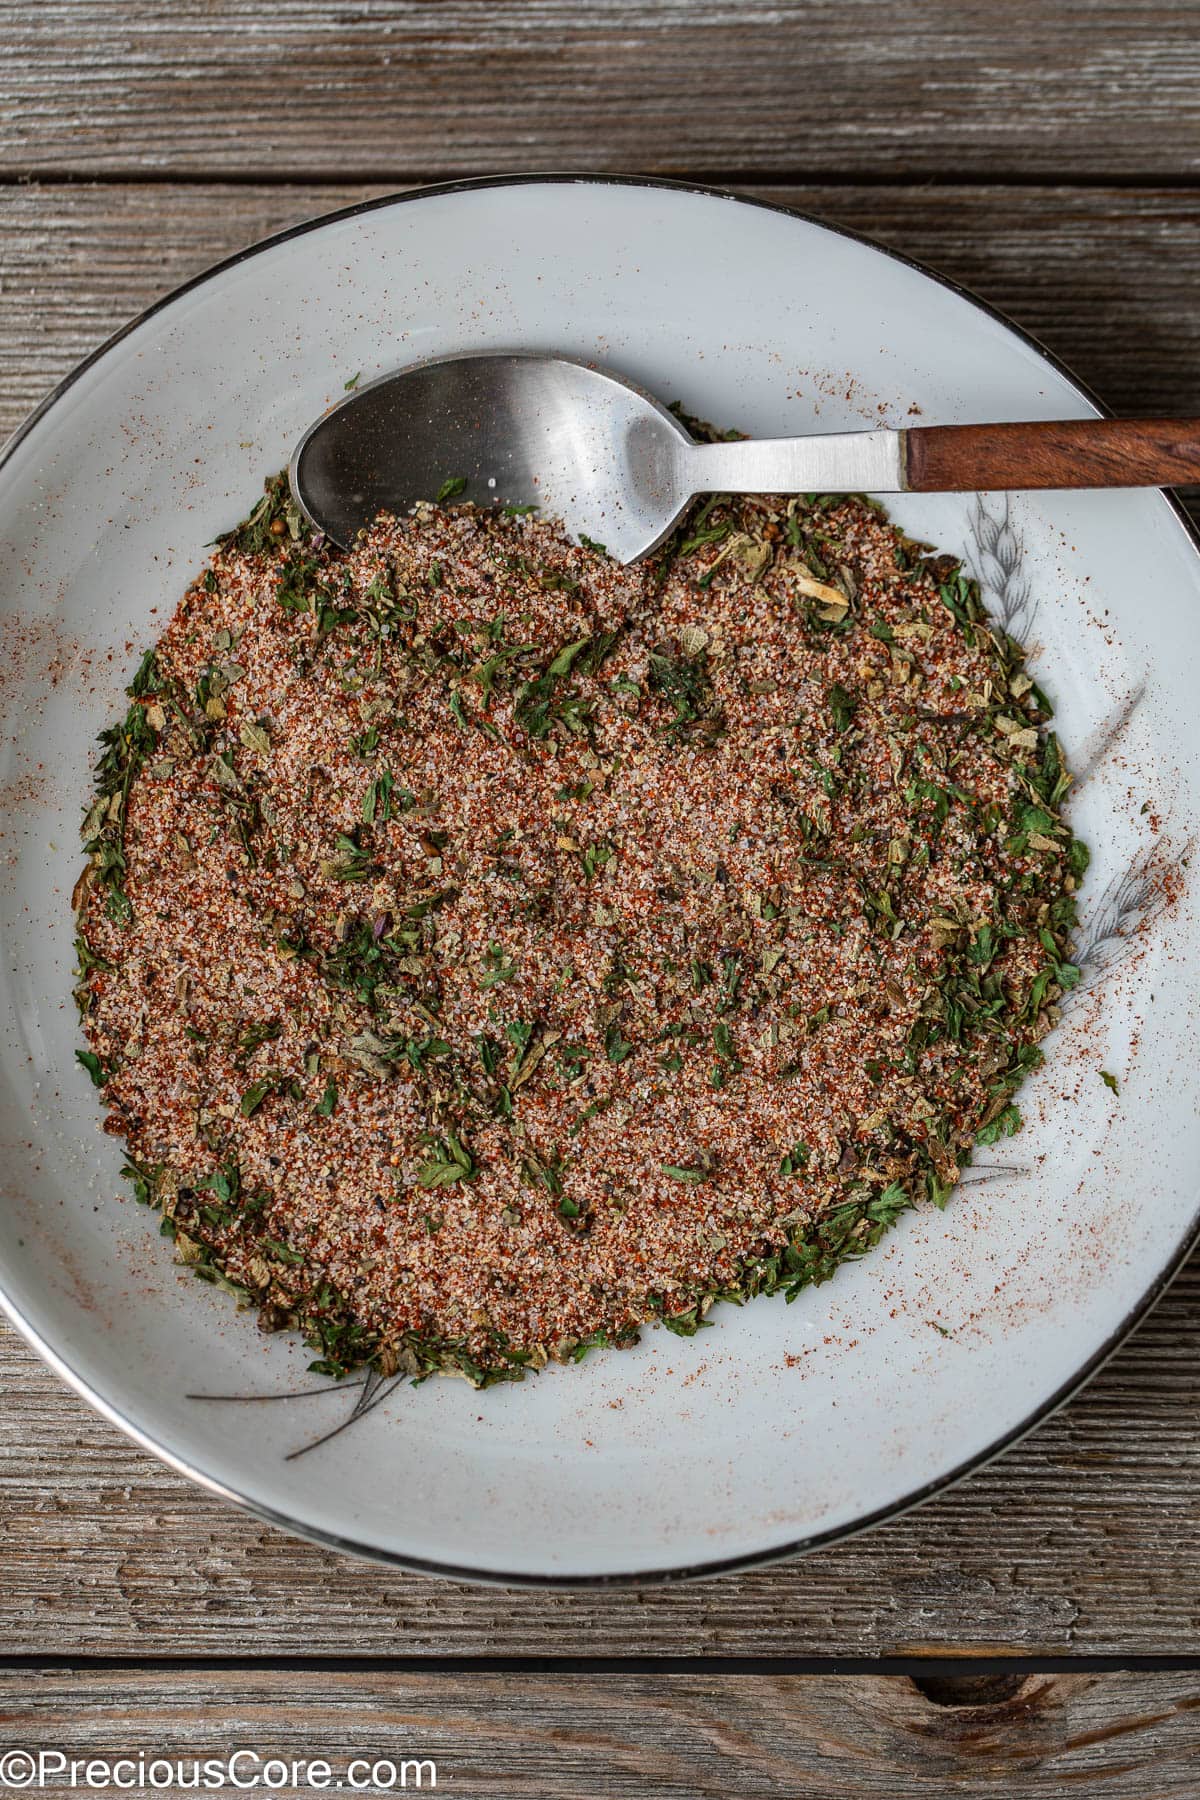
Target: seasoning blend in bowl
(486,949)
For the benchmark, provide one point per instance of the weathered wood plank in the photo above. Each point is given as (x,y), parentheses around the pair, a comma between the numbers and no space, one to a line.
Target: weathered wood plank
(1106,278)
(1121,1736)
(464,86)
(1085,1538)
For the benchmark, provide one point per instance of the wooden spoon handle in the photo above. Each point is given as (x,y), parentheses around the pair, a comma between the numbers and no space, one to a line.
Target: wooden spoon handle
(1059,453)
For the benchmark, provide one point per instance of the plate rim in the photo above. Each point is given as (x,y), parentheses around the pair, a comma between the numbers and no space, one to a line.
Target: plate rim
(813,1541)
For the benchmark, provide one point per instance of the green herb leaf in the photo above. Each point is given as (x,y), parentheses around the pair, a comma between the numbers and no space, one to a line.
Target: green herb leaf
(684,683)
(1003,1125)
(498,967)
(275,1082)
(451,1162)
(595,858)
(95,1068)
(841,704)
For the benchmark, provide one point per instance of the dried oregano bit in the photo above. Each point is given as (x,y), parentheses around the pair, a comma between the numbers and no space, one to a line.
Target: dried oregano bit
(817,1246)
(571,1211)
(960,596)
(451,1162)
(842,706)
(87,962)
(380,1053)
(88,959)
(1078,858)
(595,858)
(373,953)
(1006,1122)
(88,1060)
(500,668)
(683,682)
(124,750)
(378,800)
(281,1252)
(547,1173)
(596,1340)
(683,1321)
(262,1031)
(542,703)
(795,1160)
(275,1081)
(298,590)
(686,1324)
(224,1182)
(275,520)
(424,1355)
(352,860)
(203,1261)
(328,1326)
(253,735)
(817,1250)
(146,680)
(144,1178)
(498,967)
(698,530)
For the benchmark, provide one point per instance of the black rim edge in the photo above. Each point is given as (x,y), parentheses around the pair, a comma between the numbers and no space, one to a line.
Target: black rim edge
(750,1559)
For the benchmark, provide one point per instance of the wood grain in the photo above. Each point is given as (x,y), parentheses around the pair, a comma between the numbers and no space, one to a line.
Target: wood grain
(1057,453)
(653,1737)
(1086,1538)
(1071,90)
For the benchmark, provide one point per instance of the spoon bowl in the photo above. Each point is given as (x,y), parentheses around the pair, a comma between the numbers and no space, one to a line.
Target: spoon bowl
(577,442)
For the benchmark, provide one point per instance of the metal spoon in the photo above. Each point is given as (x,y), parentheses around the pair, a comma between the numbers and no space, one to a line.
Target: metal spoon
(588,447)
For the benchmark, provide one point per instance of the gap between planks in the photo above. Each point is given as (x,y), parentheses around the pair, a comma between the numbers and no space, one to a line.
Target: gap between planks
(764,182)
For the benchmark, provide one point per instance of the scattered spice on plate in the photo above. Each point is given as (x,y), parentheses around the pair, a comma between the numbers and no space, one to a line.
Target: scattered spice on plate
(486,948)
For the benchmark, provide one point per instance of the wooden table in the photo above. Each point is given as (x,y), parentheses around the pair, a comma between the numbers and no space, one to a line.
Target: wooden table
(1049,156)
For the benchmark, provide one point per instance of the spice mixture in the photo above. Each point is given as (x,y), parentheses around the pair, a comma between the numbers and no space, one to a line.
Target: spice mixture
(486,948)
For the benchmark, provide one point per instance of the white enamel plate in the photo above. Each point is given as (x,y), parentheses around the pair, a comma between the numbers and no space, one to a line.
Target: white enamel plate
(782,1426)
